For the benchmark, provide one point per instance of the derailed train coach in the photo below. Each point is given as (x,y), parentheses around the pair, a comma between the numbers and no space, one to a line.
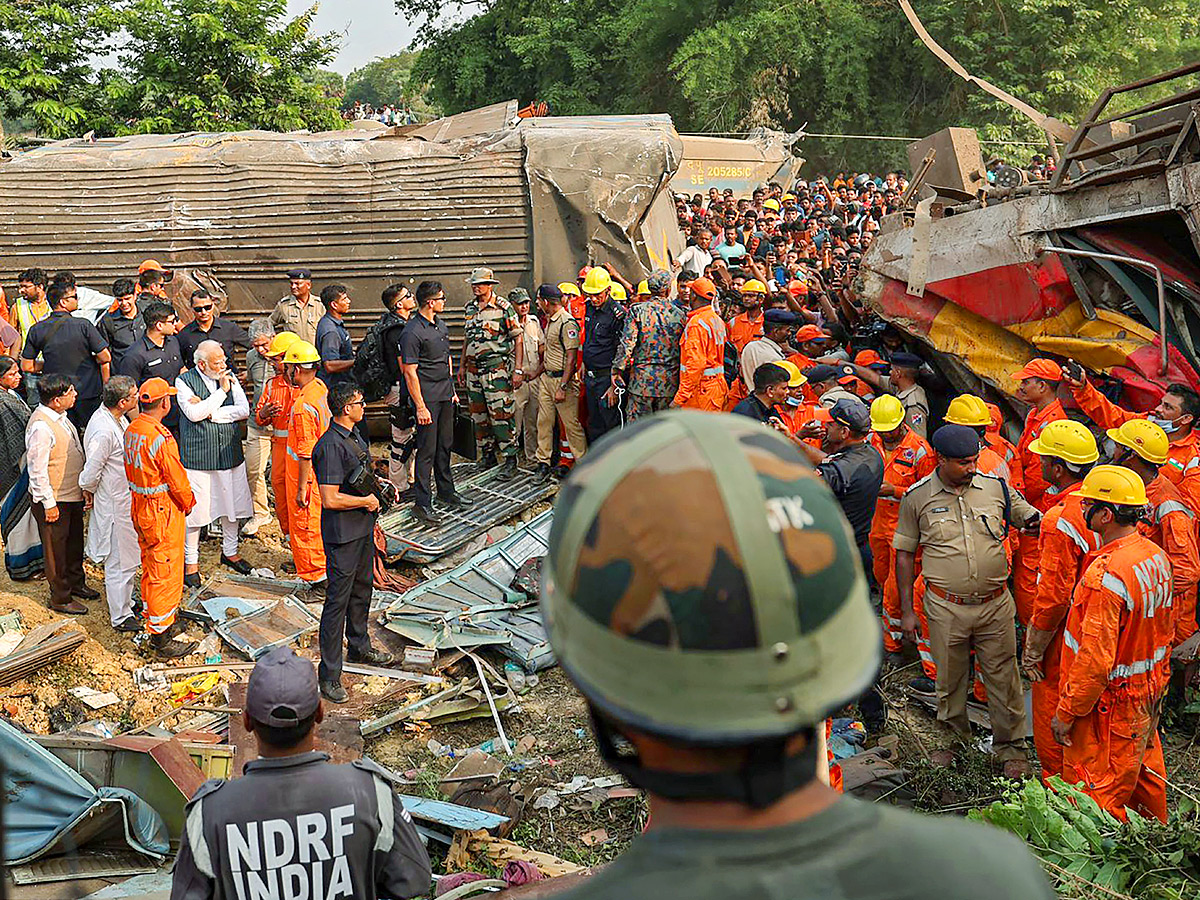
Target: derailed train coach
(534,199)
(1100,263)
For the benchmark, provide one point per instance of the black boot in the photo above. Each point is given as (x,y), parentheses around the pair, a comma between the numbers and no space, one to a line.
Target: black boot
(487,461)
(543,473)
(508,469)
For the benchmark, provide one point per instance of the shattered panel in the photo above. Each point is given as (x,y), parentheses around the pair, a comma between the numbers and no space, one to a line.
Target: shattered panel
(273,626)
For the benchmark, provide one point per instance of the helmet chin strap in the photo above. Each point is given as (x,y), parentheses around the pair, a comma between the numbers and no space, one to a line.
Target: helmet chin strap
(767,775)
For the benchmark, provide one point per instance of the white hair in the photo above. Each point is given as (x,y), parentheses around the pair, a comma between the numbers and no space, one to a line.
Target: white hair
(204,352)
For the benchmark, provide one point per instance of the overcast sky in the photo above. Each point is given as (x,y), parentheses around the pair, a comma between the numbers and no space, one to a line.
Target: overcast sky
(368,28)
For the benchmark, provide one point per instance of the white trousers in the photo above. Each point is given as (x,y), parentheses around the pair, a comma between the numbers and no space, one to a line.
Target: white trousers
(229,541)
(120,569)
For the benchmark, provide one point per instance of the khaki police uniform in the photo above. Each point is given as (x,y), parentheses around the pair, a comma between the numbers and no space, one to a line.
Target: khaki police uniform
(289,315)
(961,537)
(562,338)
(916,405)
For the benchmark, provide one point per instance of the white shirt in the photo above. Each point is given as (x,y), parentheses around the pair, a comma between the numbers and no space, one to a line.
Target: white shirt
(695,260)
(39,441)
(103,476)
(198,410)
(754,354)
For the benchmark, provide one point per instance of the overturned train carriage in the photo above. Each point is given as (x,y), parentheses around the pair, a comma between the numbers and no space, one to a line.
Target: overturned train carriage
(1101,264)
(532,199)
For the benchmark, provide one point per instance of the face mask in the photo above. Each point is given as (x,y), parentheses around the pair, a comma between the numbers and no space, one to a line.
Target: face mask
(1168,427)
(793,401)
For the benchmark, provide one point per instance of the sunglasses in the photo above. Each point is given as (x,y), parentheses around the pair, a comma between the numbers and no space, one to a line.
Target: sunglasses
(202,308)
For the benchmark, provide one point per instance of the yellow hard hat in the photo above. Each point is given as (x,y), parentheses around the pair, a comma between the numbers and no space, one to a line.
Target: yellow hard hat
(754,286)
(643,288)
(795,376)
(887,412)
(569,287)
(1114,484)
(280,343)
(1144,438)
(967,409)
(771,204)
(302,353)
(597,281)
(617,292)
(1067,440)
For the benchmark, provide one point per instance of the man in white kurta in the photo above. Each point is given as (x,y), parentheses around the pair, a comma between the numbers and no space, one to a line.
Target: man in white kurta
(212,403)
(110,537)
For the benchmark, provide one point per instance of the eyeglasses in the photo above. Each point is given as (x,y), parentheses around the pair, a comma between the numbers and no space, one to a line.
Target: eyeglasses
(202,308)
(357,403)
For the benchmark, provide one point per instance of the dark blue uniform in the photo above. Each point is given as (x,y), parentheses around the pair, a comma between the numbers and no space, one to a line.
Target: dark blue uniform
(755,409)
(426,345)
(348,536)
(68,346)
(229,334)
(602,327)
(145,359)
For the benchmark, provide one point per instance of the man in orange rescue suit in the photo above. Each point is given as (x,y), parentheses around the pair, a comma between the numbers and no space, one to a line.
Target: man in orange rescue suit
(162,498)
(1143,447)
(1176,414)
(274,409)
(907,458)
(702,382)
(307,422)
(1039,388)
(1116,654)
(1068,451)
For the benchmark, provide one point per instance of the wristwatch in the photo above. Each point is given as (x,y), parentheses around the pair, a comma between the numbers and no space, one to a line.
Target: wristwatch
(518,371)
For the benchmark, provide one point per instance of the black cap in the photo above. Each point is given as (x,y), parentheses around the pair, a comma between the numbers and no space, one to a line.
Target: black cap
(956,441)
(780,317)
(549,292)
(852,413)
(306,274)
(906,360)
(822,372)
(283,689)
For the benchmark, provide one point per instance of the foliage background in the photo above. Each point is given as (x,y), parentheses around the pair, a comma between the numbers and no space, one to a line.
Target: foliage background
(837,66)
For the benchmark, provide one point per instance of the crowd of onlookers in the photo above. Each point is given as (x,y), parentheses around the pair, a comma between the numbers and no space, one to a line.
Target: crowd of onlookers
(388,114)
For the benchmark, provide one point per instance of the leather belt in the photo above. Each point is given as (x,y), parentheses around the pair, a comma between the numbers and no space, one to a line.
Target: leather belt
(596,373)
(964,599)
(555,373)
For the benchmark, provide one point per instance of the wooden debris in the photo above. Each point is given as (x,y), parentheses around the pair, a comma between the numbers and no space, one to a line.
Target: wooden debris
(499,851)
(30,656)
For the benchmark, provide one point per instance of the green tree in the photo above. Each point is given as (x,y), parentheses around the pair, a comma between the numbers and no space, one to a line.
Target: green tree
(836,65)
(45,74)
(331,82)
(217,65)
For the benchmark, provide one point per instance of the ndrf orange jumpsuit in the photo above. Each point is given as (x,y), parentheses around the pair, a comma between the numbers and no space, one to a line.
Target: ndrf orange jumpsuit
(278,391)
(1064,544)
(741,330)
(702,362)
(162,498)
(1030,464)
(1002,447)
(307,422)
(1182,467)
(1115,666)
(910,461)
(1172,527)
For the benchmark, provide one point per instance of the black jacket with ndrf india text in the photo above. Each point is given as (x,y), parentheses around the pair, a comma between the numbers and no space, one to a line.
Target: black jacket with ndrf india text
(299,826)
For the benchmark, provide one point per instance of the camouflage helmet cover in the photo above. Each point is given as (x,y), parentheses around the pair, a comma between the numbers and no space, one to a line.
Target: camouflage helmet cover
(702,583)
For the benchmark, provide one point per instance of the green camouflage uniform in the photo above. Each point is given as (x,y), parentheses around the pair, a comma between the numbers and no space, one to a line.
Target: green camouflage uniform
(491,334)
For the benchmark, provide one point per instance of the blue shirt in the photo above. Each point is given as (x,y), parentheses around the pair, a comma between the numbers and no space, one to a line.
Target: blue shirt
(333,343)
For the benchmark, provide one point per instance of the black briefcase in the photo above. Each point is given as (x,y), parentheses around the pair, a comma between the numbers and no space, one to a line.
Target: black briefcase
(464,434)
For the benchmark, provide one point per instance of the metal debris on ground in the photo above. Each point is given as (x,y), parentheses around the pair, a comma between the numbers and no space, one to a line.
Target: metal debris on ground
(276,625)
(90,864)
(465,700)
(240,591)
(492,501)
(42,646)
(482,602)
(50,809)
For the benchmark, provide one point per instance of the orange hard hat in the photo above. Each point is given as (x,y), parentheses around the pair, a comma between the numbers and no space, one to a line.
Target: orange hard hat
(1046,369)
(154,389)
(703,287)
(797,288)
